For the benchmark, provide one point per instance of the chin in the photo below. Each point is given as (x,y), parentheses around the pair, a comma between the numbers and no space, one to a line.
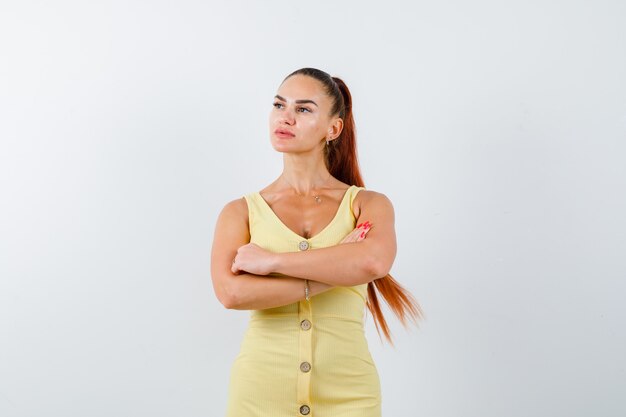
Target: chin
(281,145)
(282,149)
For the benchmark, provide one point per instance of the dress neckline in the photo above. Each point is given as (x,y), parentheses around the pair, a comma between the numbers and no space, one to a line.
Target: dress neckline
(283,225)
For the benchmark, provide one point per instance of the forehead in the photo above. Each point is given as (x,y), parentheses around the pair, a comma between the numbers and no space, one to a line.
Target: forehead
(299,87)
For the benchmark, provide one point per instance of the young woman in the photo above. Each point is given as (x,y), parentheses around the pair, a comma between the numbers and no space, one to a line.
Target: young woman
(306,254)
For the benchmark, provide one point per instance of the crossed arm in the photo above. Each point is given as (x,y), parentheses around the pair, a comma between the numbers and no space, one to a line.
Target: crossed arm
(242,285)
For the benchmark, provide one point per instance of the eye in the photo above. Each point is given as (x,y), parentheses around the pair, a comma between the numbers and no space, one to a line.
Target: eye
(276,105)
(304,108)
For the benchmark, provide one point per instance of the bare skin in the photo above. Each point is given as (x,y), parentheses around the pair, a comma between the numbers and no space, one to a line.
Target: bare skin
(238,266)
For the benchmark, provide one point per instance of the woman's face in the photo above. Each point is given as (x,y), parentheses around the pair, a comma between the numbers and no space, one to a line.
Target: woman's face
(299,120)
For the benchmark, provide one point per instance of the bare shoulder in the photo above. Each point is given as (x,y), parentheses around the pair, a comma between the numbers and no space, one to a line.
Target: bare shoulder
(369,199)
(238,205)
(232,226)
(235,210)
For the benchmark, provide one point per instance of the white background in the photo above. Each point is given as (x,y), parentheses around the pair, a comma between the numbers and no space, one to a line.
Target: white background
(497,129)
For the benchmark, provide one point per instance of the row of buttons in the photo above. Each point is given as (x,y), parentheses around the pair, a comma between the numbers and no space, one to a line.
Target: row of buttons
(305,325)
(305,366)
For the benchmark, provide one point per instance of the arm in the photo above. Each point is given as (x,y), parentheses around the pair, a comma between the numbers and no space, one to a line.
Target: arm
(340,265)
(248,291)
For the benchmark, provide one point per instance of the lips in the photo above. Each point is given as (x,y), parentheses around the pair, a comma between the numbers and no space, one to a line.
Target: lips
(283,133)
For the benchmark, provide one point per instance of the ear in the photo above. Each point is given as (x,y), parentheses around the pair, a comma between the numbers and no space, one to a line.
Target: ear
(334,130)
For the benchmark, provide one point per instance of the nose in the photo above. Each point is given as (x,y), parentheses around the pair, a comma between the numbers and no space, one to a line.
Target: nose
(287,116)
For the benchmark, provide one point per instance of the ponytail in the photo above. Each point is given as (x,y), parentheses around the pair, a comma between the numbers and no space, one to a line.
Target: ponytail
(341,160)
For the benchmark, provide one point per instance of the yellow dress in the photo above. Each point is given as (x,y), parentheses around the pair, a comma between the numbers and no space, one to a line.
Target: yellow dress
(306,358)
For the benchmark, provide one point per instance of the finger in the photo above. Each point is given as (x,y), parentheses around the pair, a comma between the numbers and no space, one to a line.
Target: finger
(349,238)
(352,236)
(360,231)
(363,233)
(355,234)
(346,238)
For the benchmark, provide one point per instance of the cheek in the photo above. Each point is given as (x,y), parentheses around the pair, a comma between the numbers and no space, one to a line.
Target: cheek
(312,123)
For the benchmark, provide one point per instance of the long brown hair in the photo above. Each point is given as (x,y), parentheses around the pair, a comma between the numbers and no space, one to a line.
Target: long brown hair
(341,160)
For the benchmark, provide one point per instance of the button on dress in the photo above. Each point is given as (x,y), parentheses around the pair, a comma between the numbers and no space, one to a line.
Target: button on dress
(308,358)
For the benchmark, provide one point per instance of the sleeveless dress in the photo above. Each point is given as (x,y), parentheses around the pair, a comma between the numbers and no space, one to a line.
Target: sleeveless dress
(309,358)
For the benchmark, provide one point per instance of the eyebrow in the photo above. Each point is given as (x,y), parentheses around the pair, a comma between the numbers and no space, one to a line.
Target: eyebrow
(297,101)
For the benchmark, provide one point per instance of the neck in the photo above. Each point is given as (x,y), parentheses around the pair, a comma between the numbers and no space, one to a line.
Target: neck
(304,173)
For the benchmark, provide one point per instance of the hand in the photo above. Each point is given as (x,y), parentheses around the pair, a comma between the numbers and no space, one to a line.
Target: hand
(358,233)
(253,259)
